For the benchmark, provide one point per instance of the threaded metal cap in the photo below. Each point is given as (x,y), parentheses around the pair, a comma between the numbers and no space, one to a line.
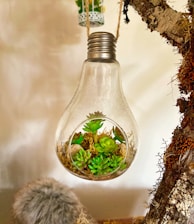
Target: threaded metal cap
(101,45)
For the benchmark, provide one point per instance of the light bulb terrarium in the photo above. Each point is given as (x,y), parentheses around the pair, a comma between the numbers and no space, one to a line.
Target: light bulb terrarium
(96,137)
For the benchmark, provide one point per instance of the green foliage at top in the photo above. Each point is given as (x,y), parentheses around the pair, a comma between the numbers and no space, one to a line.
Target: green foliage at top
(96,7)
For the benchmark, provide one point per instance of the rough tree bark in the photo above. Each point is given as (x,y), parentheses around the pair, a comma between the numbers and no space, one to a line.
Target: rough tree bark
(173,200)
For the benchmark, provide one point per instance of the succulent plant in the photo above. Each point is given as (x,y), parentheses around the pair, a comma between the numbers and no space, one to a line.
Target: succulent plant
(93,125)
(106,145)
(100,165)
(81,158)
(116,161)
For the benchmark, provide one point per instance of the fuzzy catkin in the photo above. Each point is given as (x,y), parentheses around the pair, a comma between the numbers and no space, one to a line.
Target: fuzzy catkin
(46,201)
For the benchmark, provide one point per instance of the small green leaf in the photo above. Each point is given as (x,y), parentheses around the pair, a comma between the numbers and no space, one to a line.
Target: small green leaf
(77,138)
(93,125)
(118,135)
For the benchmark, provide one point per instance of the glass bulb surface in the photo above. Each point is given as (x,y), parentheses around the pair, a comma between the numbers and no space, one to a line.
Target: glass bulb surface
(96,137)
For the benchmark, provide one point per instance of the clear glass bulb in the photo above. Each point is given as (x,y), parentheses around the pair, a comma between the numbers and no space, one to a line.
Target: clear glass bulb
(96,137)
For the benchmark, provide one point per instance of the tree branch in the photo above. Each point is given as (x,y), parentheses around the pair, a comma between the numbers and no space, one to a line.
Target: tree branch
(173,201)
(160,17)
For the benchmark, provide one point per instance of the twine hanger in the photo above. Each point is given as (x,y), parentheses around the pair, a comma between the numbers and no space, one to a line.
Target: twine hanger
(88,20)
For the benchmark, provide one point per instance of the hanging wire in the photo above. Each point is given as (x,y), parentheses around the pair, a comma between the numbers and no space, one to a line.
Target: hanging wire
(88,19)
(119,19)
